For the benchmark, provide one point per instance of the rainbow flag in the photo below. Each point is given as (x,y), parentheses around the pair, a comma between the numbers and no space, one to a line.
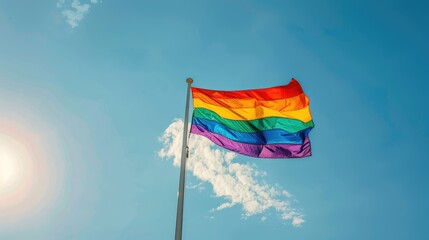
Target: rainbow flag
(265,123)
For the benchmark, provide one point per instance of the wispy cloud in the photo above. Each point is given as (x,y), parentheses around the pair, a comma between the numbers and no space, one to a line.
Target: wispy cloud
(238,184)
(74,11)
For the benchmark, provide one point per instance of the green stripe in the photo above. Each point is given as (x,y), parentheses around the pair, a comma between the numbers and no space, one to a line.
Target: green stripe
(257,125)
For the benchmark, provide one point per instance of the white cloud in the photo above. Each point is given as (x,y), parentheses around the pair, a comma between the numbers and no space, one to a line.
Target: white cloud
(238,184)
(74,11)
(198,186)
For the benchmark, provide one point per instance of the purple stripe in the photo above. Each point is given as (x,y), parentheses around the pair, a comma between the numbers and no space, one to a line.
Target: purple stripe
(254,150)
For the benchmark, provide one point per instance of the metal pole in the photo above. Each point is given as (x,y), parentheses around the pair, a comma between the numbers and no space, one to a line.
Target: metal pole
(179,216)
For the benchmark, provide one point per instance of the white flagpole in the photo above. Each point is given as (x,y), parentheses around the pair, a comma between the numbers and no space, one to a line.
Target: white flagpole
(179,216)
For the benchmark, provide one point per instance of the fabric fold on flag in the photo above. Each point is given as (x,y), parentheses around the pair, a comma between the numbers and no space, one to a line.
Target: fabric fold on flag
(265,123)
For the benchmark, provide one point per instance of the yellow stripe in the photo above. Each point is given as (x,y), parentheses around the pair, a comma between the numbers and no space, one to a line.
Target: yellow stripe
(287,104)
(303,114)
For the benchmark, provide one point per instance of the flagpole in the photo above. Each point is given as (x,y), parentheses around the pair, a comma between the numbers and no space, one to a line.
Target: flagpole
(179,216)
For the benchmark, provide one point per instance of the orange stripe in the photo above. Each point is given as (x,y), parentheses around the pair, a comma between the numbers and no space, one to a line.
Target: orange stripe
(303,114)
(292,103)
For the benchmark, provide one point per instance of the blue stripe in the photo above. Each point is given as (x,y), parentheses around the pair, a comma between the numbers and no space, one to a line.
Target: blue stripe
(274,136)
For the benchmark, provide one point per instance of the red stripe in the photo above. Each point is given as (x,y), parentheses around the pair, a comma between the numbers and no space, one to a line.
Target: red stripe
(274,93)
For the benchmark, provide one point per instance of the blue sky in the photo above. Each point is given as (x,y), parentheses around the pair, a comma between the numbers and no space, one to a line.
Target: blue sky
(88,88)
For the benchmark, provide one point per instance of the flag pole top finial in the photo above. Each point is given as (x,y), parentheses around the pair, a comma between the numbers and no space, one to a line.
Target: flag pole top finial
(189,80)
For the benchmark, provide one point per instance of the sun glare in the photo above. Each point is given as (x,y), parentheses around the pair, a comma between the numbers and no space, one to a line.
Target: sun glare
(23,188)
(14,165)
(8,169)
